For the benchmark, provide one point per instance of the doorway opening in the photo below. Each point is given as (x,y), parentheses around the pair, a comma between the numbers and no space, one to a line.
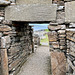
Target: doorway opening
(40,33)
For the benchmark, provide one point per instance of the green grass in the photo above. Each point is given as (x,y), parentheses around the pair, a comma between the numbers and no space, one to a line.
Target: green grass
(45,39)
(46,30)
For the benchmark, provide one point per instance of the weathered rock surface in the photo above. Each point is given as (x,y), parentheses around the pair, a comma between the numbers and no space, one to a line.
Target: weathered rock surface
(5,28)
(4,62)
(58,62)
(61,32)
(50,27)
(52,36)
(55,44)
(34,1)
(70,11)
(60,17)
(72,25)
(31,13)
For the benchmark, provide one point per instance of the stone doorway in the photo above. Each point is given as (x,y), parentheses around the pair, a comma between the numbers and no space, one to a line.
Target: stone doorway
(62,28)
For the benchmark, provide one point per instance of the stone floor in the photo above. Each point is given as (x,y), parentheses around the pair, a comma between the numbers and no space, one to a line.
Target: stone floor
(38,63)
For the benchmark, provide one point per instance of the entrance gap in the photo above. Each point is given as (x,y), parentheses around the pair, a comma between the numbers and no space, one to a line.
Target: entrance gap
(40,33)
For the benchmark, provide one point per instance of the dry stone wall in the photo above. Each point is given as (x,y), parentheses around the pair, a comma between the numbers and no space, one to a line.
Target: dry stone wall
(57,41)
(70,32)
(20,47)
(62,39)
(16,42)
(70,49)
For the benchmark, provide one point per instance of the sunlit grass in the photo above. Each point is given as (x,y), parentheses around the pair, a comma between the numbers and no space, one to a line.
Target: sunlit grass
(45,39)
(46,30)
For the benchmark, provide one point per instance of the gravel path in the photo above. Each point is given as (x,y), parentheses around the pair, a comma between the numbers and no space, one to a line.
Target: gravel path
(38,63)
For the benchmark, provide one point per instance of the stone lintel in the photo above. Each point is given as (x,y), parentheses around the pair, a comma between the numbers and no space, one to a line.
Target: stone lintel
(70,12)
(34,2)
(32,13)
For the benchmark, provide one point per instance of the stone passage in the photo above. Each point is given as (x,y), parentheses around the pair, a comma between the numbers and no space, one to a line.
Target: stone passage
(38,63)
(16,45)
(16,41)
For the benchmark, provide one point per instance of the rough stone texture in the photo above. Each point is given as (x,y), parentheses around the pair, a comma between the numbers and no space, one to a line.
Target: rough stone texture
(3,2)
(36,39)
(33,1)
(16,45)
(52,36)
(55,44)
(21,46)
(58,62)
(70,11)
(60,17)
(72,25)
(61,32)
(5,28)
(4,62)
(31,13)
(50,27)
(1,34)
(71,50)
(63,47)
(62,36)
(62,42)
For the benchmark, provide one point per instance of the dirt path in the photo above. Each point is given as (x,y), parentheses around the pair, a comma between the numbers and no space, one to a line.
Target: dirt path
(38,63)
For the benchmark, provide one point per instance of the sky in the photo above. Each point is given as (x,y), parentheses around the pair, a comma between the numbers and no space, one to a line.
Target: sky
(39,26)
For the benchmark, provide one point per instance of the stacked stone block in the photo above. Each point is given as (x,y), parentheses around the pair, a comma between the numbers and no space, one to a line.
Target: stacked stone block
(17,41)
(57,41)
(64,36)
(3,27)
(70,36)
(20,48)
(70,51)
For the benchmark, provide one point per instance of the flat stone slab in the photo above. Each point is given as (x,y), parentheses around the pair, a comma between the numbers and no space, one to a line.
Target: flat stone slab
(70,11)
(33,1)
(32,13)
(58,63)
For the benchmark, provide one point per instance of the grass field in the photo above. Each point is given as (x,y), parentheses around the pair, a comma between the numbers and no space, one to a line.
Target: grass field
(45,40)
(46,30)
